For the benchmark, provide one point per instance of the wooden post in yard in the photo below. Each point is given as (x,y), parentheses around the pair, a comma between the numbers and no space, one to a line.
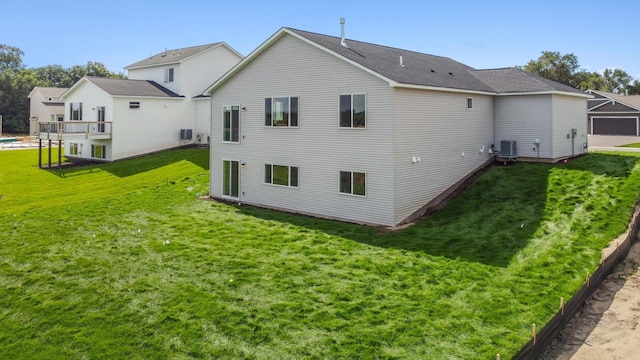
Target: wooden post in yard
(49,153)
(59,153)
(40,153)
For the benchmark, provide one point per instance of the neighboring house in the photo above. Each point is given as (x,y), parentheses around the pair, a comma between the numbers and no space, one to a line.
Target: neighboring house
(160,106)
(372,134)
(45,106)
(613,114)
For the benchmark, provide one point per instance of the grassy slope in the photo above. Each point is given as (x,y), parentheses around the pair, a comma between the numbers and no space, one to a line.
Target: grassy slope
(121,260)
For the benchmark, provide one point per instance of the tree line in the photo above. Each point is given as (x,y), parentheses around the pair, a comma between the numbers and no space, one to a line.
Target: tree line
(565,69)
(17,81)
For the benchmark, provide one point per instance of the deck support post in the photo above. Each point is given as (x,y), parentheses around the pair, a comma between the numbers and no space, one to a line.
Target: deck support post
(40,153)
(49,153)
(59,153)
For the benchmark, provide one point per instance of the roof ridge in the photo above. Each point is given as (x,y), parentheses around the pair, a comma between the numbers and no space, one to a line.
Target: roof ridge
(369,43)
(191,47)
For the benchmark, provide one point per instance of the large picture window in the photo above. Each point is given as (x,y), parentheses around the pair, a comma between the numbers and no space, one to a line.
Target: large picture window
(75,111)
(353,110)
(352,182)
(281,175)
(231,123)
(281,111)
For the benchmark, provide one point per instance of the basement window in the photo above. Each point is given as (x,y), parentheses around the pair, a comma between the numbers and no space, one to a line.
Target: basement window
(134,104)
(281,175)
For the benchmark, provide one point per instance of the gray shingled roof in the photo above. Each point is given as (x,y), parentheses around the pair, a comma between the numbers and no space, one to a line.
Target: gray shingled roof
(125,87)
(51,92)
(419,69)
(513,80)
(171,56)
(632,100)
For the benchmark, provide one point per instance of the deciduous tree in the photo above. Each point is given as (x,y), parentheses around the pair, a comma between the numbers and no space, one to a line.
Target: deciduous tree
(554,66)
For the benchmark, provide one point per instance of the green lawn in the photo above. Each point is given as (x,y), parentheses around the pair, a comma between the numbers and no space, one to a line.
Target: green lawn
(124,261)
(632,145)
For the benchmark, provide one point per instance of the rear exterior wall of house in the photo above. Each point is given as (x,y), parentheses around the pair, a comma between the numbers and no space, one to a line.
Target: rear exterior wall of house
(318,147)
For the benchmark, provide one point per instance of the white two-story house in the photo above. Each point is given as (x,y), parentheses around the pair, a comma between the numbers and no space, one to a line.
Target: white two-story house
(160,106)
(45,106)
(342,129)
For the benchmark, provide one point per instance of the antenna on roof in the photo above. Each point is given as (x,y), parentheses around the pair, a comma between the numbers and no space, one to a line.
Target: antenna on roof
(342,33)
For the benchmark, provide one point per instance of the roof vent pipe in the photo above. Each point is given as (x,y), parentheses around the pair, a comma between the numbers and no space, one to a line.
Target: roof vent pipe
(401,62)
(342,33)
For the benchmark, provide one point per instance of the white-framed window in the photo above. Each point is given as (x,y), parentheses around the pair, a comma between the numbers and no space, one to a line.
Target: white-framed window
(353,182)
(168,75)
(231,123)
(75,111)
(281,111)
(469,103)
(99,151)
(281,175)
(353,111)
(231,178)
(73,148)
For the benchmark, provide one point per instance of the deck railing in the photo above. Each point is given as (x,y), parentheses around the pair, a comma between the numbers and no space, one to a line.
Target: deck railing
(89,129)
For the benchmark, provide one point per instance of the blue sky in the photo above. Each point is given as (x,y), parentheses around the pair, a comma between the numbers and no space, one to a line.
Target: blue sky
(482,33)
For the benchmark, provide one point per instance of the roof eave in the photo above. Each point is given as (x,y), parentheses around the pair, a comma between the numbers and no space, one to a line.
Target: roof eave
(148,97)
(152,65)
(446,89)
(547,92)
(270,41)
(73,88)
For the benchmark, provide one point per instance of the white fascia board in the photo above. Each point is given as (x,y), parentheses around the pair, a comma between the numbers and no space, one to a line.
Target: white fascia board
(595,114)
(435,88)
(73,88)
(33,91)
(153,65)
(242,63)
(585,96)
(272,40)
(597,106)
(378,75)
(147,97)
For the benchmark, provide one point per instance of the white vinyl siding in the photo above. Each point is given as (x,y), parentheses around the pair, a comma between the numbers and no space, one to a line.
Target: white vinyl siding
(524,118)
(437,128)
(319,147)
(569,113)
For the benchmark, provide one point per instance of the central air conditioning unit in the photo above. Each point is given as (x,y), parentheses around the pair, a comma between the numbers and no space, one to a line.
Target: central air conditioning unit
(201,138)
(508,148)
(186,134)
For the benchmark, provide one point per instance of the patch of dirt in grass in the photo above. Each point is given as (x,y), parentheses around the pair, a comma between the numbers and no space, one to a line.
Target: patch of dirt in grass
(608,325)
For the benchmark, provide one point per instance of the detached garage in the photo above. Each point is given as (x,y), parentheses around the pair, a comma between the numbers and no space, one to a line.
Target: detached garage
(613,114)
